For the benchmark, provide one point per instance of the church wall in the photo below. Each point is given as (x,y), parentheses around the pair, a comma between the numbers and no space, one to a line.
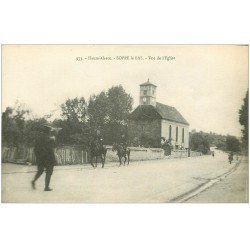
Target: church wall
(165,132)
(150,128)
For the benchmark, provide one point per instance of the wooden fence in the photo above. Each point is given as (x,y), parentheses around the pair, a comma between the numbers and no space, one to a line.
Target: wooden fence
(73,155)
(66,155)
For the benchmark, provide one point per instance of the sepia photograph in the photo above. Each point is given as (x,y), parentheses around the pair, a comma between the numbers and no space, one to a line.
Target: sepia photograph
(125,124)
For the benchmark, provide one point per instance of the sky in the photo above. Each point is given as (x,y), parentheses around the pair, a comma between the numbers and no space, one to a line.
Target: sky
(206,83)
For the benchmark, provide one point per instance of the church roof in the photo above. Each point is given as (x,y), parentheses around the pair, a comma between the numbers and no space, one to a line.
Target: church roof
(147,83)
(161,111)
(170,113)
(145,112)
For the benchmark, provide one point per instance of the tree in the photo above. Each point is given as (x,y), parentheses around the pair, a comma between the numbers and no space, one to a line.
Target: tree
(75,110)
(120,105)
(243,119)
(109,111)
(10,130)
(13,125)
(119,108)
(98,111)
(232,144)
(199,142)
(74,122)
(31,130)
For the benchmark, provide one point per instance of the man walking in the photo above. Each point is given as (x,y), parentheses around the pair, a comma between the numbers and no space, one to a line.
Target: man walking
(45,158)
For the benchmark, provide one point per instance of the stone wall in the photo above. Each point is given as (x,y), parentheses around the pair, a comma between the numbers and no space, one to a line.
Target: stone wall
(183,154)
(71,155)
(137,154)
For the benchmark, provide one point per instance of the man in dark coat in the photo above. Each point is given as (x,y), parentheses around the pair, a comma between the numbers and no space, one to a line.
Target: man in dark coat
(45,158)
(123,142)
(98,139)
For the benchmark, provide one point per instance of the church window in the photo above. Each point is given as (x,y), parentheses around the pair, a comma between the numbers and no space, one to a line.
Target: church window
(182,135)
(176,134)
(170,132)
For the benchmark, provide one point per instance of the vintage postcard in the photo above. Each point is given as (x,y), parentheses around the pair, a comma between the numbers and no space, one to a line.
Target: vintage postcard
(125,124)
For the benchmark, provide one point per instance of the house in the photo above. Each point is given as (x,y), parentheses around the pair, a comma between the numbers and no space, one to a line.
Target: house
(151,121)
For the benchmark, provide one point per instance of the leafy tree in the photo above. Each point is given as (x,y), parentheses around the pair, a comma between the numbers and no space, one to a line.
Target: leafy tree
(75,110)
(199,142)
(119,107)
(98,111)
(74,122)
(10,130)
(109,112)
(243,119)
(13,125)
(232,144)
(31,130)
(149,141)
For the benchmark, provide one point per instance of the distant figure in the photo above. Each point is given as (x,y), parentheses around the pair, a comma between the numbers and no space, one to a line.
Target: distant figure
(213,153)
(45,158)
(167,147)
(230,157)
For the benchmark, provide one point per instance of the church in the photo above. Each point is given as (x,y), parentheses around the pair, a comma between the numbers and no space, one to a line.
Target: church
(152,121)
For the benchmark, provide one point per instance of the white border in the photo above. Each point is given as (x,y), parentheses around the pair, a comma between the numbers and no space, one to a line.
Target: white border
(162,226)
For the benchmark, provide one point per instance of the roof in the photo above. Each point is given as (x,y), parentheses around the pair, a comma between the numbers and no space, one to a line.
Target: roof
(170,113)
(147,83)
(145,112)
(161,111)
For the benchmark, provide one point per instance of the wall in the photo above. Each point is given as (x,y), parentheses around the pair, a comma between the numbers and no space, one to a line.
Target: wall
(165,132)
(183,154)
(137,154)
(151,128)
(72,155)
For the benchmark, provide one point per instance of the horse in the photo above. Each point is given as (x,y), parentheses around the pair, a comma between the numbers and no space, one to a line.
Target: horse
(97,149)
(121,152)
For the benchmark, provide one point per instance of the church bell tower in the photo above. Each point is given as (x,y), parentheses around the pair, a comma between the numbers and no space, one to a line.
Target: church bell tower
(148,94)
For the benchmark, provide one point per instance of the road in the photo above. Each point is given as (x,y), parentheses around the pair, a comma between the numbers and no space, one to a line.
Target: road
(231,189)
(158,181)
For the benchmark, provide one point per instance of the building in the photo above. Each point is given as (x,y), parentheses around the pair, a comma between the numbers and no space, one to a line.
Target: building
(151,121)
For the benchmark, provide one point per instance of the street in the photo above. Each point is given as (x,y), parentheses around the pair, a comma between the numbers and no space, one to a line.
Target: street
(195,179)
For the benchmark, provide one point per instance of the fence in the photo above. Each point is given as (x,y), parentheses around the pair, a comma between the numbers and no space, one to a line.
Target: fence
(72,155)
(66,155)
(18,155)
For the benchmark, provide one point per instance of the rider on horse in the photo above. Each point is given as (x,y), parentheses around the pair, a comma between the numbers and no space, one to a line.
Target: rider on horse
(97,149)
(123,142)
(98,139)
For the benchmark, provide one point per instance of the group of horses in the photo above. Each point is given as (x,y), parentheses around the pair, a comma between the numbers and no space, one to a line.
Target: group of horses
(98,150)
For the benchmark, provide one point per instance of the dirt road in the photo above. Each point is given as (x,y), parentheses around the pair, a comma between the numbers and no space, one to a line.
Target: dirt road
(166,180)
